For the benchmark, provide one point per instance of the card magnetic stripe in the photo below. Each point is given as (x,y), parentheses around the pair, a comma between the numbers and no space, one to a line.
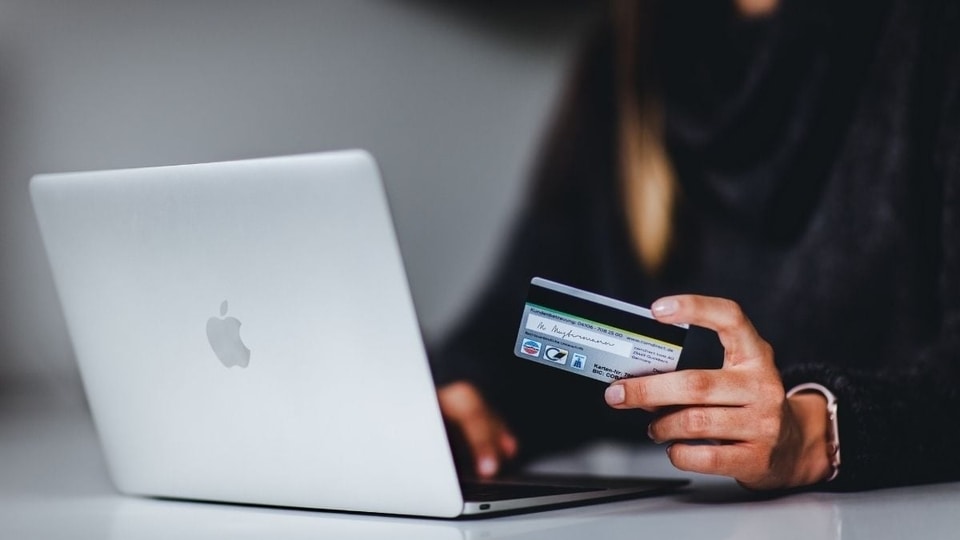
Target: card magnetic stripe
(585,309)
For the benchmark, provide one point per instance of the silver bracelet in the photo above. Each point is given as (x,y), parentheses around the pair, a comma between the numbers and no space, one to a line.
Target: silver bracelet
(833,435)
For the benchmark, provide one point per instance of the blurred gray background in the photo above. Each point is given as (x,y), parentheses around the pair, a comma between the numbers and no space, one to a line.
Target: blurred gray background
(451,97)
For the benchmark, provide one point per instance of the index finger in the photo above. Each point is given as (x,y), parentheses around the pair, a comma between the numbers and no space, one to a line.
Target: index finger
(690,387)
(737,334)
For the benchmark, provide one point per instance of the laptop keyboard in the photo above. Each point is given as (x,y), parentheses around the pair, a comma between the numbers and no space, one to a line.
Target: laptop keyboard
(497,491)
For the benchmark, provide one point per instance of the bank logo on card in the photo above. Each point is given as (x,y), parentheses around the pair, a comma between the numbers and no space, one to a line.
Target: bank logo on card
(556,354)
(530,347)
(579,361)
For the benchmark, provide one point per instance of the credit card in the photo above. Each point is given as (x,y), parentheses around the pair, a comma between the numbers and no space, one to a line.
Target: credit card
(593,335)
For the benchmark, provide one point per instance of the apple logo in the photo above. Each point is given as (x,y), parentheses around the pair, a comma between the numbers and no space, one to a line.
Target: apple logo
(224,336)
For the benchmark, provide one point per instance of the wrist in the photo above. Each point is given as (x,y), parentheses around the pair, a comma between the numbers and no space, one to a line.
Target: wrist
(810,411)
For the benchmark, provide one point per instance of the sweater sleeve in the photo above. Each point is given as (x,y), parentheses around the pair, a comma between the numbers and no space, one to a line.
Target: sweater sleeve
(899,425)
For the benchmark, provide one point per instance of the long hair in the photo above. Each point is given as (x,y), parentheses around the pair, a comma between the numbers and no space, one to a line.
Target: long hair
(648,180)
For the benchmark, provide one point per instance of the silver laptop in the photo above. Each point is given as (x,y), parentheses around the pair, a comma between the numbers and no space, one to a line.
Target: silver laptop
(245,333)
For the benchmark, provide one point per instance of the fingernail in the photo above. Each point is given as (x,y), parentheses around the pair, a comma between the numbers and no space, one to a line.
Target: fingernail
(509,445)
(665,306)
(487,466)
(650,431)
(614,394)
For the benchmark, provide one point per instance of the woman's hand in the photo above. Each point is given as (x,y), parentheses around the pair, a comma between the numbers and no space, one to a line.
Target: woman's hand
(765,440)
(490,442)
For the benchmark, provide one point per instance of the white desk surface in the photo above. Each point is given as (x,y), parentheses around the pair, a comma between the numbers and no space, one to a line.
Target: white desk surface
(53,484)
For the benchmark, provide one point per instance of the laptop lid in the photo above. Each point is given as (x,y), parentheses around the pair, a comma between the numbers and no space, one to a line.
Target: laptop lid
(245,333)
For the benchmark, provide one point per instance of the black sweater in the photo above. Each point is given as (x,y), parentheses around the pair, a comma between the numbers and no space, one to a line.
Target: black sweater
(818,156)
